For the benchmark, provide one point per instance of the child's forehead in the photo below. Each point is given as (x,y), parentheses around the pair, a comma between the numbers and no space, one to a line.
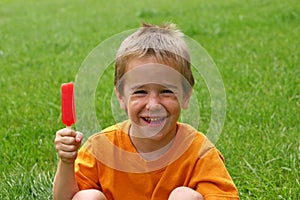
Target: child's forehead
(147,60)
(143,72)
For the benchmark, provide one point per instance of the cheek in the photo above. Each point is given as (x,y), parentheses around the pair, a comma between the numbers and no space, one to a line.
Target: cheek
(172,105)
(135,105)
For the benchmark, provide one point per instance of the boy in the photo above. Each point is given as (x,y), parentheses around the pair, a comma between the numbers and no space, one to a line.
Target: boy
(151,155)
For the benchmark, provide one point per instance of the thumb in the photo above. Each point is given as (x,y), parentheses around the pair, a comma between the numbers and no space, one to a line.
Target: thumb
(79,136)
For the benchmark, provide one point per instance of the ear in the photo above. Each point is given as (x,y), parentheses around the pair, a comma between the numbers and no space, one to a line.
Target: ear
(121,99)
(186,99)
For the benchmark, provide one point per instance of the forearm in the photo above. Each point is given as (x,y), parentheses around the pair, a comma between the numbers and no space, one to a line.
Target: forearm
(65,185)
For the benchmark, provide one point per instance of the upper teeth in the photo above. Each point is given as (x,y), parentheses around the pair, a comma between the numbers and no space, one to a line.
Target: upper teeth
(155,119)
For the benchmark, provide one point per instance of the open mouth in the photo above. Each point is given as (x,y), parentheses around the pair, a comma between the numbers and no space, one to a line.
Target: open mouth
(154,121)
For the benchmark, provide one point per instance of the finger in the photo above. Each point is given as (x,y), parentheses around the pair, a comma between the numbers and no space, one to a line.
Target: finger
(67,148)
(68,140)
(66,132)
(79,136)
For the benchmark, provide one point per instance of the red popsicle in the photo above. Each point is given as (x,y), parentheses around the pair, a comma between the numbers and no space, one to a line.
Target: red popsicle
(68,104)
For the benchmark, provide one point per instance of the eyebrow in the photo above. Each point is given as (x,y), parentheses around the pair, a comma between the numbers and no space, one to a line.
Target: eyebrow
(169,86)
(134,87)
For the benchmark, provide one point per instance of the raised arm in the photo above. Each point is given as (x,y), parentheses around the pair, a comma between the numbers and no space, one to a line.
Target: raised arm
(67,143)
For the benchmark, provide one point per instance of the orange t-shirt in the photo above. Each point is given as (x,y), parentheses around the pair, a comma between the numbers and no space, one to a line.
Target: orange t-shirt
(109,162)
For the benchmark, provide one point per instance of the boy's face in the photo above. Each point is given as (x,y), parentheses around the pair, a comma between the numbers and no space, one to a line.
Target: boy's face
(152,95)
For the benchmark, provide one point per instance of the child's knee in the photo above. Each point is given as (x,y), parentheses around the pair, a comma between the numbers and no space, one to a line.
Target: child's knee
(90,194)
(181,193)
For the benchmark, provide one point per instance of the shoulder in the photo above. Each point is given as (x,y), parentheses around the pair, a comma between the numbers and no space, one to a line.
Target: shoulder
(200,145)
(188,131)
(112,131)
(110,139)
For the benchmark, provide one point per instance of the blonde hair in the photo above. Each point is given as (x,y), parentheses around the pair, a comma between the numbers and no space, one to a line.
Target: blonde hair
(165,43)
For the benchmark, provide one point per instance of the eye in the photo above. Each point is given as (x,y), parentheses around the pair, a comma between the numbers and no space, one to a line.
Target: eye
(139,92)
(167,91)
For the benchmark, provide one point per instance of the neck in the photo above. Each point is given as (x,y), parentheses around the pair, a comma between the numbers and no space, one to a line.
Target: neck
(152,148)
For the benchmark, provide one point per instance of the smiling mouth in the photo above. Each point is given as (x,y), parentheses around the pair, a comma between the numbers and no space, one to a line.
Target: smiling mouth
(154,121)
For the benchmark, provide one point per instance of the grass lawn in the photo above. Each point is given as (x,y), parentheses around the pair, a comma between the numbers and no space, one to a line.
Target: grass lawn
(254,43)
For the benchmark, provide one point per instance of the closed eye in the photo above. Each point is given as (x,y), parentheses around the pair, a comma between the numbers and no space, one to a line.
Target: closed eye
(139,92)
(167,92)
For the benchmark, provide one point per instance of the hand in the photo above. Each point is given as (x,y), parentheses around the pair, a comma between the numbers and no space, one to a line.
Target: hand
(182,193)
(67,143)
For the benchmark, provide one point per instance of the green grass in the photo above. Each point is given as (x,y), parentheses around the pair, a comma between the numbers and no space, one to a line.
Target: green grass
(254,43)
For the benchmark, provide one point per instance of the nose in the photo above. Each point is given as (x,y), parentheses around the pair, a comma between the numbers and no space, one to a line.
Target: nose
(153,103)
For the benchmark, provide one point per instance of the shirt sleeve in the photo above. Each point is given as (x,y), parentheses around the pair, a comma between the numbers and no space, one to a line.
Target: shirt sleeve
(214,181)
(86,171)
